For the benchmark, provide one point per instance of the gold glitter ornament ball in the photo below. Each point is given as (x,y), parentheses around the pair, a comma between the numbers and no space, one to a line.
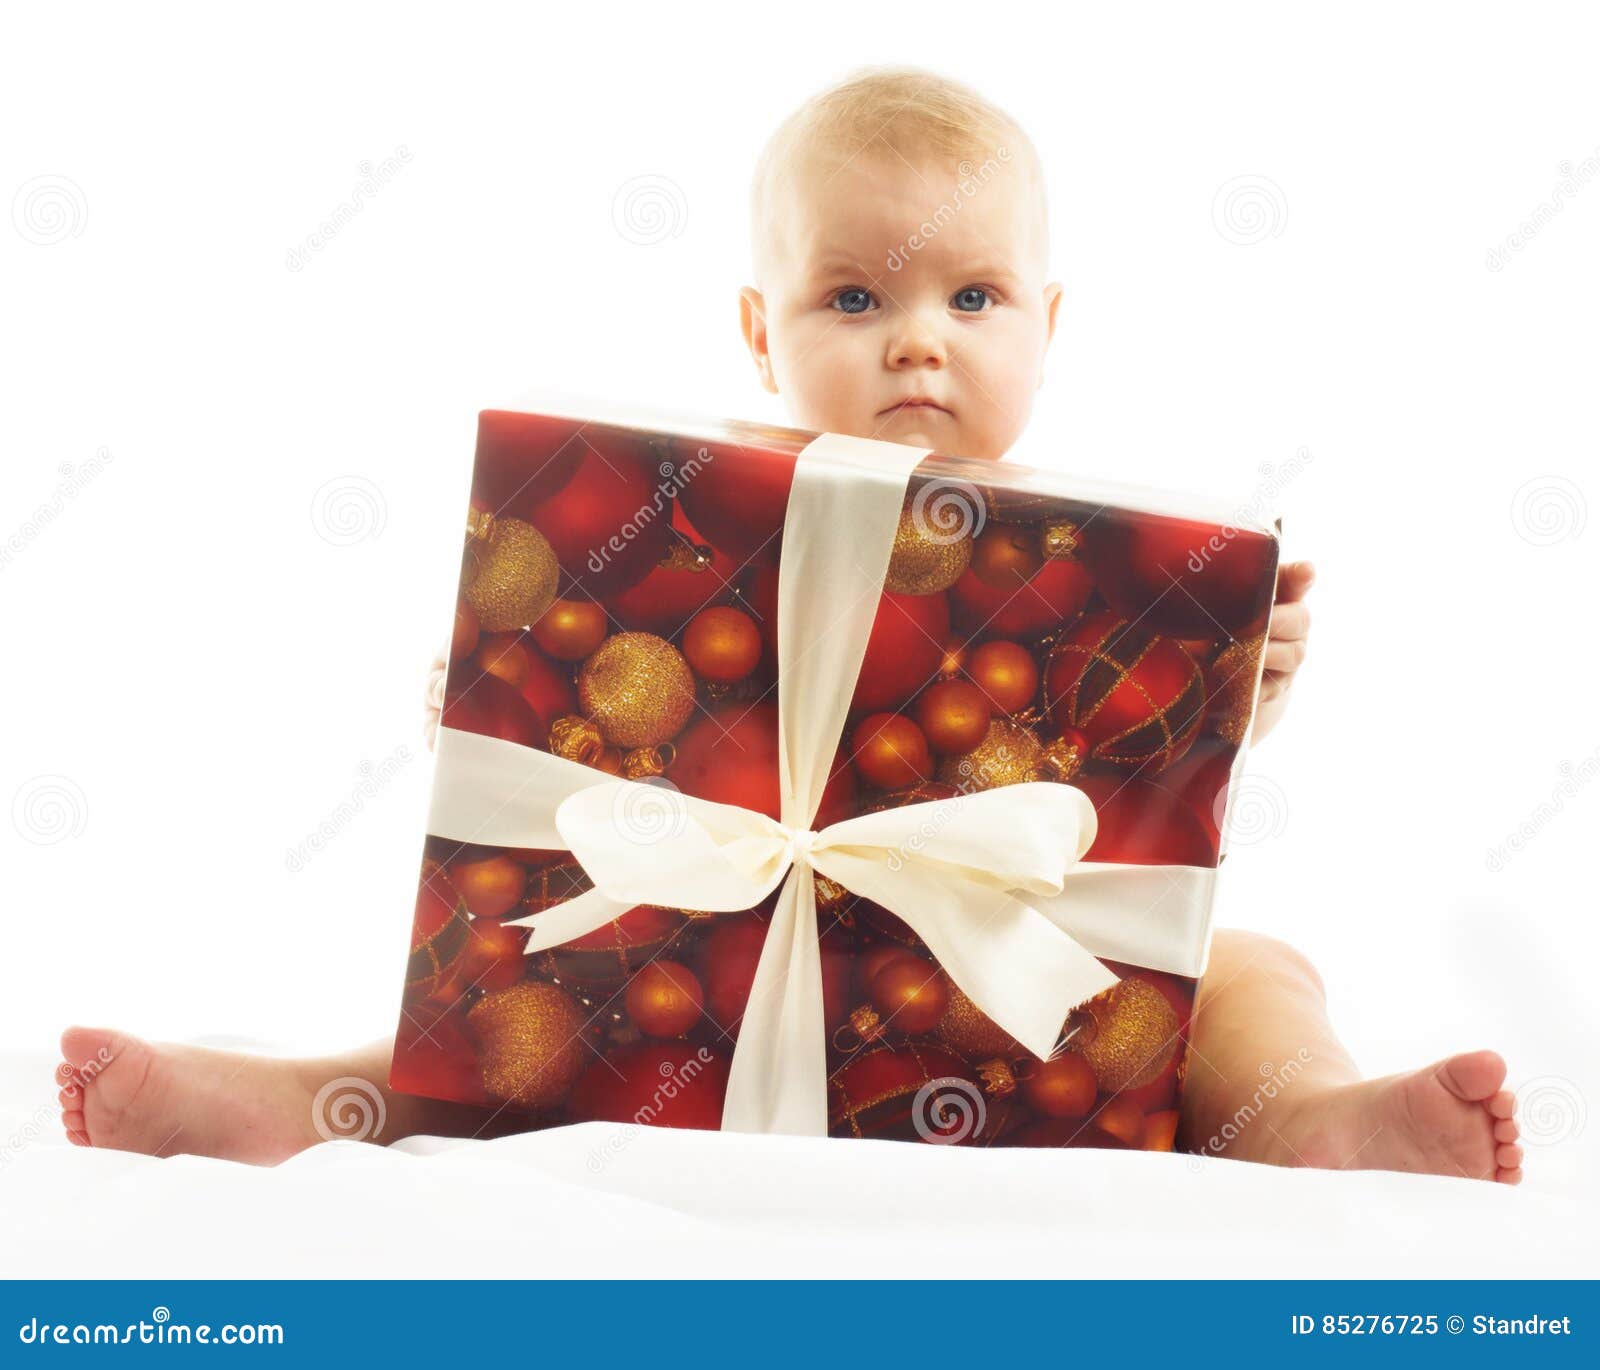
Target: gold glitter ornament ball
(1128,1035)
(511,572)
(1008,755)
(926,558)
(530,1043)
(971,1031)
(1233,677)
(638,688)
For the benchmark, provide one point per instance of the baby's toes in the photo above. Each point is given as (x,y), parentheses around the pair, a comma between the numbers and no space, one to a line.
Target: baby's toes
(76,1126)
(1501,1105)
(1506,1130)
(1508,1157)
(1508,1176)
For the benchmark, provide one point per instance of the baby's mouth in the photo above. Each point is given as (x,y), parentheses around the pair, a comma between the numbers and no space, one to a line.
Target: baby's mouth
(914,406)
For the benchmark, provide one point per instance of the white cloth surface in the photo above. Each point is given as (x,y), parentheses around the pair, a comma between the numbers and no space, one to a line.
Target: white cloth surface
(600,1200)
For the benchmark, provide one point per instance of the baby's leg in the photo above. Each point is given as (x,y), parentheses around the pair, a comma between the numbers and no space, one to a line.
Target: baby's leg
(126,1094)
(1270,1081)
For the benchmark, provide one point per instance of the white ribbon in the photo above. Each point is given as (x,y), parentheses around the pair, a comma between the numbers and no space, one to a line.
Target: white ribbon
(992,882)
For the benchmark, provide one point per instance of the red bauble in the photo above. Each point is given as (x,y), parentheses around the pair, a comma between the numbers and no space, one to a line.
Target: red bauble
(914,1092)
(905,648)
(874,959)
(503,655)
(664,999)
(1056,592)
(1201,778)
(728,958)
(654,1084)
(738,497)
(731,756)
(1185,578)
(608,524)
(549,692)
(890,751)
(1118,1126)
(1138,698)
(437,1063)
(489,706)
(438,934)
(904,651)
(1142,824)
(464,633)
(522,458)
(678,586)
(611,954)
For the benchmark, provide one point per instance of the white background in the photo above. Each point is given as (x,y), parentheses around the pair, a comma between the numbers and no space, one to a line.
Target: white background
(198,663)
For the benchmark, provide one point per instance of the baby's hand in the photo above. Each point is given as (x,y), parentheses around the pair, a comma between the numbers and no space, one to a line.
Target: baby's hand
(1287,632)
(433,698)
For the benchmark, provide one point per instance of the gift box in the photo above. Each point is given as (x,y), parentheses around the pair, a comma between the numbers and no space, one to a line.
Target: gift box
(812,784)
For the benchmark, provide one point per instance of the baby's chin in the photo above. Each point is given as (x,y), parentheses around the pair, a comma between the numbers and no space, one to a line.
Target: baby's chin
(929,428)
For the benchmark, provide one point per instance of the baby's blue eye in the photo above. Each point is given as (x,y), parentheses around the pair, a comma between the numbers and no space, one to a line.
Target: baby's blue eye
(853,300)
(971,300)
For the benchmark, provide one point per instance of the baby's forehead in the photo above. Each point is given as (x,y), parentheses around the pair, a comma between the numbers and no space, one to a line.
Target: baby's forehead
(876,210)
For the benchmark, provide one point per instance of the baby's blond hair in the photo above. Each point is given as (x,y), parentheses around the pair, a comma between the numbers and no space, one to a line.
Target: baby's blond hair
(899,110)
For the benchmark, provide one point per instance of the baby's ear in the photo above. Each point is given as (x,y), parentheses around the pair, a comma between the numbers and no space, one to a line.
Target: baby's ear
(753,324)
(1052,306)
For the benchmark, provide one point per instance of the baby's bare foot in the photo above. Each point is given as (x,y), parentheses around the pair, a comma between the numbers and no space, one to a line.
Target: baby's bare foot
(1452,1118)
(125,1094)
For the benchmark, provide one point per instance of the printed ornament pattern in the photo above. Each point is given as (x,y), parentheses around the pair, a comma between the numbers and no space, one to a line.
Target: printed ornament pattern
(618,609)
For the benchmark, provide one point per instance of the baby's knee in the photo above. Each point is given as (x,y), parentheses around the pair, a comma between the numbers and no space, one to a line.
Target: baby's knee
(1236,949)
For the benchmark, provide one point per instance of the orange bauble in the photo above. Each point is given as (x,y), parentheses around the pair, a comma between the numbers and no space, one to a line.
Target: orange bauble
(874,959)
(722,643)
(1063,1087)
(1137,697)
(503,655)
(954,716)
(1056,593)
(911,994)
(1006,673)
(1007,556)
(493,958)
(890,751)
(570,629)
(664,999)
(491,887)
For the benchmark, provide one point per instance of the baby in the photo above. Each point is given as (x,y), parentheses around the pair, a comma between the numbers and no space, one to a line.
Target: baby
(900,248)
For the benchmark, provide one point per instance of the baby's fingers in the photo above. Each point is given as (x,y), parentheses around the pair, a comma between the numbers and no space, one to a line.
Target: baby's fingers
(1289,623)
(1294,579)
(1285,656)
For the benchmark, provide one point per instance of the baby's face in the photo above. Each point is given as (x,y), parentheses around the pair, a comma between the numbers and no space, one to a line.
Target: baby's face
(866,325)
